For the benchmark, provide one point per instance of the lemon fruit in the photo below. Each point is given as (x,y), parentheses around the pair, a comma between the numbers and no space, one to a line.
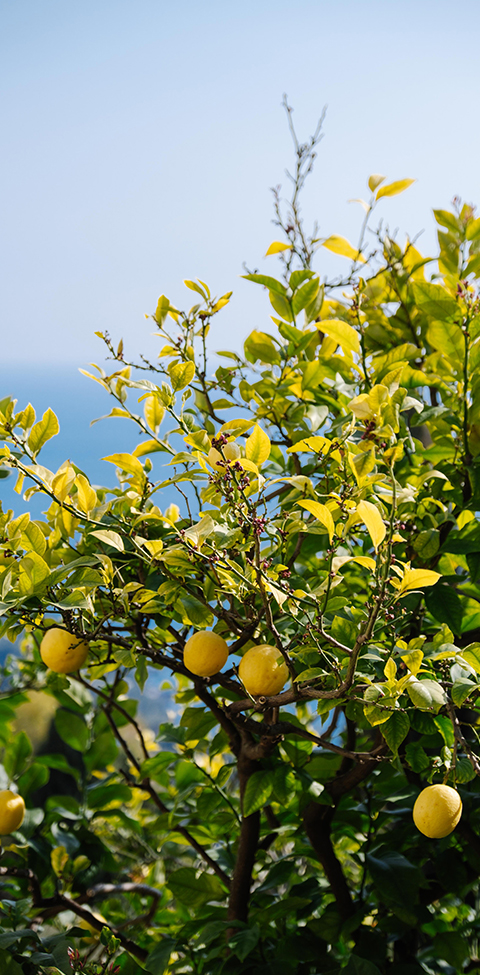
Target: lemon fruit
(437,811)
(12,811)
(62,651)
(205,653)
(261,672)
(231,451)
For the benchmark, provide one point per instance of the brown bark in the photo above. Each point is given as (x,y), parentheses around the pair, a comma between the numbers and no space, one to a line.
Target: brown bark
(317,820)
(241,881)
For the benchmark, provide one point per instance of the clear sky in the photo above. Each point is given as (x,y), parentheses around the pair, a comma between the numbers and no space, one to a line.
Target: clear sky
(141,138)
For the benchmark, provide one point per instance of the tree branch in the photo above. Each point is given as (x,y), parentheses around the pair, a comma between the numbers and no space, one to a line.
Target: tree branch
(147,786)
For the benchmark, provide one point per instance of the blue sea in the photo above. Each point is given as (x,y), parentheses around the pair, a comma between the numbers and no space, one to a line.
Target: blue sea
(77,401)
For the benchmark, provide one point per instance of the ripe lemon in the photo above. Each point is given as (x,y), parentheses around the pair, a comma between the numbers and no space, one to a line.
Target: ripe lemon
(261,672)
(231,451)
(63,652)
(205,653)
(437,811)
(12,811)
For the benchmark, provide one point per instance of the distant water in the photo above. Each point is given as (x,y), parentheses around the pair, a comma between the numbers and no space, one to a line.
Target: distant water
(77,401)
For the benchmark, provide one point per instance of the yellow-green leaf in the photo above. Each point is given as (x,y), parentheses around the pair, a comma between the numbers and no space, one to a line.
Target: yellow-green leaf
(390,669)
(59,859)
(110,538)
(33,539)
(343,333)
(44,430)
(392,189)
(86,496)
(153,412)
(126,462)
(413,661)
(342,246)
(181,374)
(248,465)
(418,578)
(34,571)
(372,518)
(321,513)
(147,447)
(277,247)
(340,560)
(257,446)
(374,180)
(62,482)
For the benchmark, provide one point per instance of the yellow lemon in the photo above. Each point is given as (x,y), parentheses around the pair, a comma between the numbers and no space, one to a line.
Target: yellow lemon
(437,811)
(12,811)
(231,451)
(261,672)
(63,652)
(205,653)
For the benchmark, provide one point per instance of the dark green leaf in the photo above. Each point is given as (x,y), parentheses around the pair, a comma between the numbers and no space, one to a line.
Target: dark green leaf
(16,754)
(396,879)
(257,792)
(193,890)
(244,941)
(444,603)
(159,958)
(395,730)
(72,729)
(360,966)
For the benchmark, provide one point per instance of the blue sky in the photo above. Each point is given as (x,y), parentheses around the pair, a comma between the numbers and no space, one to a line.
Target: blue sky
(141,138)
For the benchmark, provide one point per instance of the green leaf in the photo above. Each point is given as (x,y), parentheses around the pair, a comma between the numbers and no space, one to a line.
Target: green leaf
(281,305)
(453,947)
(8,965)
(260,346)
(305,295)
(158,959)
(194,612)
(416,756)
(436,302)
(44,430)
(444,603)
(395,730)
(181,374)
(32,779)
(395,878)
(72,729)
(16,754)
(101,795)
(448,339)
(244,941)
(193,890)
(427,543)
(360,966)
(257,792)
(271,283)
(461,690)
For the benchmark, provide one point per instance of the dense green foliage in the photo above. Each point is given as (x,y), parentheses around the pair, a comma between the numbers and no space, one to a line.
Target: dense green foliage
(267,835)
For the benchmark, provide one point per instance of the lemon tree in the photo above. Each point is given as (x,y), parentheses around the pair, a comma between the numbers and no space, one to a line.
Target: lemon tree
(286,564)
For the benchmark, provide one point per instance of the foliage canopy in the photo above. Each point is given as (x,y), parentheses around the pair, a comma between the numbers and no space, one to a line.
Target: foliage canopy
(268,833)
